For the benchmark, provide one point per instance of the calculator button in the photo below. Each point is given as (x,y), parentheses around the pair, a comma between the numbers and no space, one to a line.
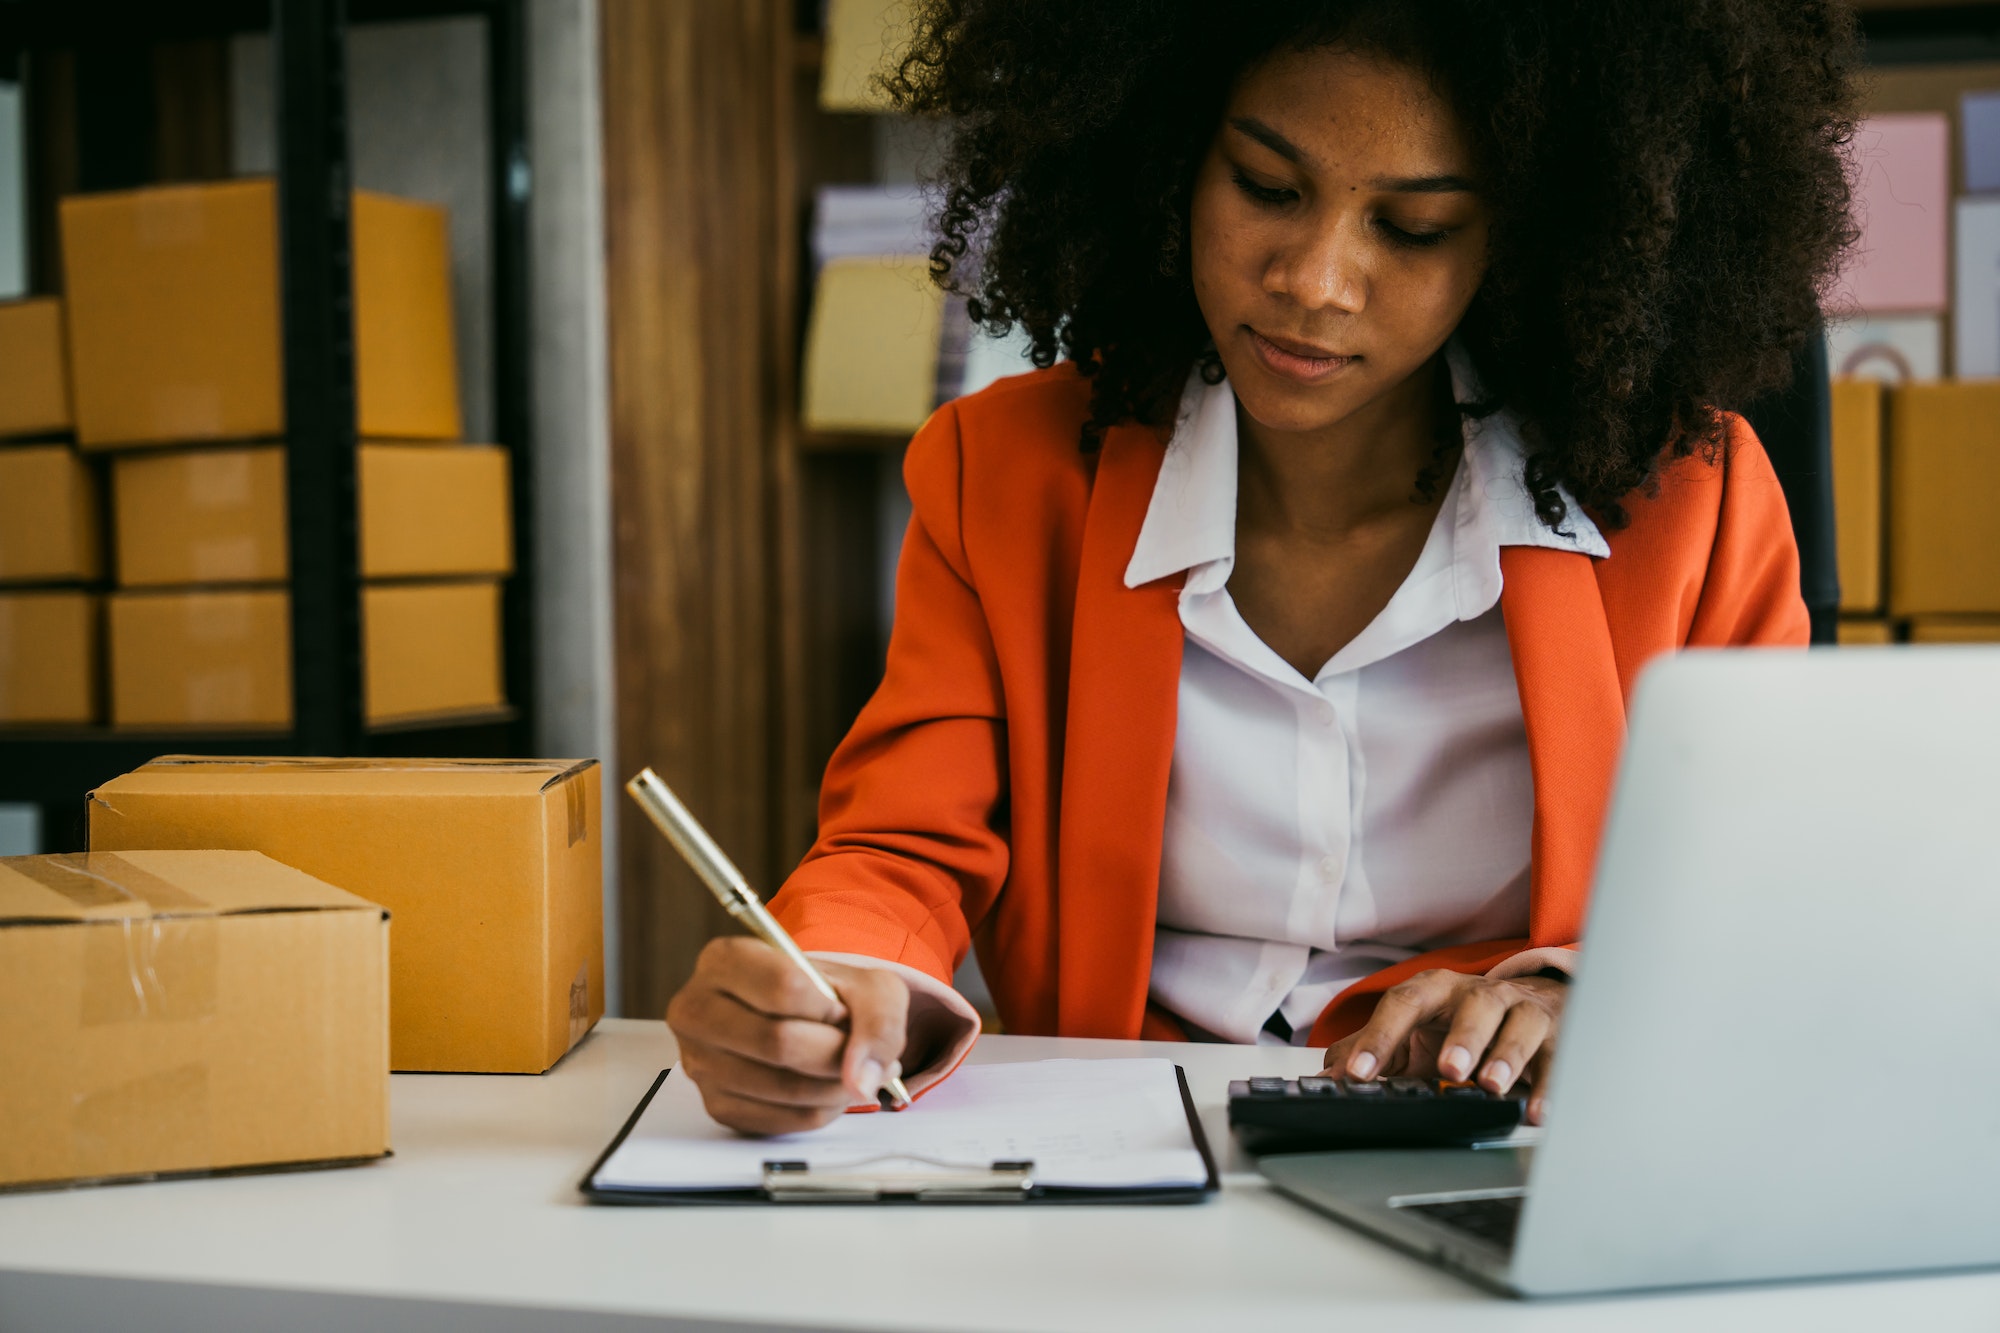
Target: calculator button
(1267,1087)
(1463,1090)
(1319,1086)
(1409,1087)
(1355,1088)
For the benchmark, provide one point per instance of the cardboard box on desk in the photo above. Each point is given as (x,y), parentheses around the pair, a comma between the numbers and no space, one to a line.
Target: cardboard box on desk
(218,515)
(49,529)
(186,1012)
(1944,499)
(34,372)
(223,658)
(491,868)
(49,656)
(174,327)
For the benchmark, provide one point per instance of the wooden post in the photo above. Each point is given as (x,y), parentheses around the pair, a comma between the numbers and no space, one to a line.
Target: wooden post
(696,181)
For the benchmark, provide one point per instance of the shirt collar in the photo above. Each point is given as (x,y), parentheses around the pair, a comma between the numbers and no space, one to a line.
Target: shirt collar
(1191,520)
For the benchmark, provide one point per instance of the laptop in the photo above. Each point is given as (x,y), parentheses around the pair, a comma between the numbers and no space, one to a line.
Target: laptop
(1778,1058)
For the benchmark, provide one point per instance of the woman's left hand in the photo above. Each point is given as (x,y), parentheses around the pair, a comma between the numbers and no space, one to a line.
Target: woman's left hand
(1448,1025)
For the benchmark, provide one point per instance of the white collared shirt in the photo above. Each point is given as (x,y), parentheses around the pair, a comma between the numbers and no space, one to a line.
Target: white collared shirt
(1320,830)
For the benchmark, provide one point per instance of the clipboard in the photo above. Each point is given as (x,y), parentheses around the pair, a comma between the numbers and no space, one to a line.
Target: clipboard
(897,1178)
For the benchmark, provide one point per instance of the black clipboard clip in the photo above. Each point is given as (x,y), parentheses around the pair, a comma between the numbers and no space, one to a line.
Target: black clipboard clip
(876,1181)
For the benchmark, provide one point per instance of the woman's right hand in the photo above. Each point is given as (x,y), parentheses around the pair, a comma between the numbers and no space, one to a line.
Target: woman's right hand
(770,1054)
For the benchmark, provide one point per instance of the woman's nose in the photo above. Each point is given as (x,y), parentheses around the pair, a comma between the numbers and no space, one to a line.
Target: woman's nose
(1324,269)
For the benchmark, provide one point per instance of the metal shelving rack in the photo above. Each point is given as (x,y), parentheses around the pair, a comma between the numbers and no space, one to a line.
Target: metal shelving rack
(54,768)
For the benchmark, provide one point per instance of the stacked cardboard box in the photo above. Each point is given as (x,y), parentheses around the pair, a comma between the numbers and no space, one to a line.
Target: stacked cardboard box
(1917,488)
(176,349)
(51,543)
(436,535)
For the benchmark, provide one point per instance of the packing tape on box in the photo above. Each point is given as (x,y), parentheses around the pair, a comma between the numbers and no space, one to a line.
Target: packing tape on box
(145,962)
(378,765)
(91,880)
(579,813)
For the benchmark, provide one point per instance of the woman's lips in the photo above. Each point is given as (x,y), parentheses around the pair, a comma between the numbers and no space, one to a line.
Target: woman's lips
(1298,361)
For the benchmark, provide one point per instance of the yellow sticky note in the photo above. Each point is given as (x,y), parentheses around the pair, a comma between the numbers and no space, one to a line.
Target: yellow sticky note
(863,39)
(872,348)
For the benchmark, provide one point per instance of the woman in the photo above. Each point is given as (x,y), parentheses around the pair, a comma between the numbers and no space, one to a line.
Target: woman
(1260,670)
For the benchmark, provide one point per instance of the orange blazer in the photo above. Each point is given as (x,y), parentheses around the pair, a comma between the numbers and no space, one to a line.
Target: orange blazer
(1006,787)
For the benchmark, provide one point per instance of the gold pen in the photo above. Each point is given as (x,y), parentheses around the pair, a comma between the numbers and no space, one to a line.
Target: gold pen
(726,882)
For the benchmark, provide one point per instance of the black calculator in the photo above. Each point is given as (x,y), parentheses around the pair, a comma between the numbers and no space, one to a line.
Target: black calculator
(1315,1114)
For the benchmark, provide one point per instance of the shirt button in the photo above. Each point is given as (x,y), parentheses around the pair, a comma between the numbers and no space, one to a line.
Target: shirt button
(1329,868)
(1323,712)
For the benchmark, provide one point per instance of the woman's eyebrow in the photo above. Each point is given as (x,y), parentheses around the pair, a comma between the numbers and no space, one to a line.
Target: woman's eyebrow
(1251,127)
(1424,185)
(1270,138)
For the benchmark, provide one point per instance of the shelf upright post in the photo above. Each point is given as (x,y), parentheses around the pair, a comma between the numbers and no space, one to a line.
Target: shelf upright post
(511,182)
(309,38)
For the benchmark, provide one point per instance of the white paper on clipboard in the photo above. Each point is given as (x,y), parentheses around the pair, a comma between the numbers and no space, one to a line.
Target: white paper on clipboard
(1085,1124)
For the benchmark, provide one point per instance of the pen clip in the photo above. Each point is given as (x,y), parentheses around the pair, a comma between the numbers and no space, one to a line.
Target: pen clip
(918,1179)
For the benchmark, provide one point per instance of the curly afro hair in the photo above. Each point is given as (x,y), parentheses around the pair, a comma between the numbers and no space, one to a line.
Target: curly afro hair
(1668,184)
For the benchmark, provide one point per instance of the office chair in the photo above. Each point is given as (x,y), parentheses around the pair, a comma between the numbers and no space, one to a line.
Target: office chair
(1795,425)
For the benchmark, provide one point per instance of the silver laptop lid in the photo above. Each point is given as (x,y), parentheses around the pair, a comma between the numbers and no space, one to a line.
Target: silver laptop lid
(1780,1056)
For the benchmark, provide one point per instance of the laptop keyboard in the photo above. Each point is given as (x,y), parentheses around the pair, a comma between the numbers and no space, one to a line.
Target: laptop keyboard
(1492,1220)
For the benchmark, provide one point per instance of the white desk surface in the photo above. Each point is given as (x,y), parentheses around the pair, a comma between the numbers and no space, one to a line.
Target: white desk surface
(478,1209)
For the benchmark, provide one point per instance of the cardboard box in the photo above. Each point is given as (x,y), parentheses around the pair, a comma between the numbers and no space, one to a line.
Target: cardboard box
(202,516)
(491,868)
(201,659)
(1955,629)
(172,1013)
(218,515)
(1866,633)
(406,348)
(430,512)
(48,656)
(224,658)
(174,316)
(1857,492)
(34,372)
(49,528)
(1944,499)
(433,649)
